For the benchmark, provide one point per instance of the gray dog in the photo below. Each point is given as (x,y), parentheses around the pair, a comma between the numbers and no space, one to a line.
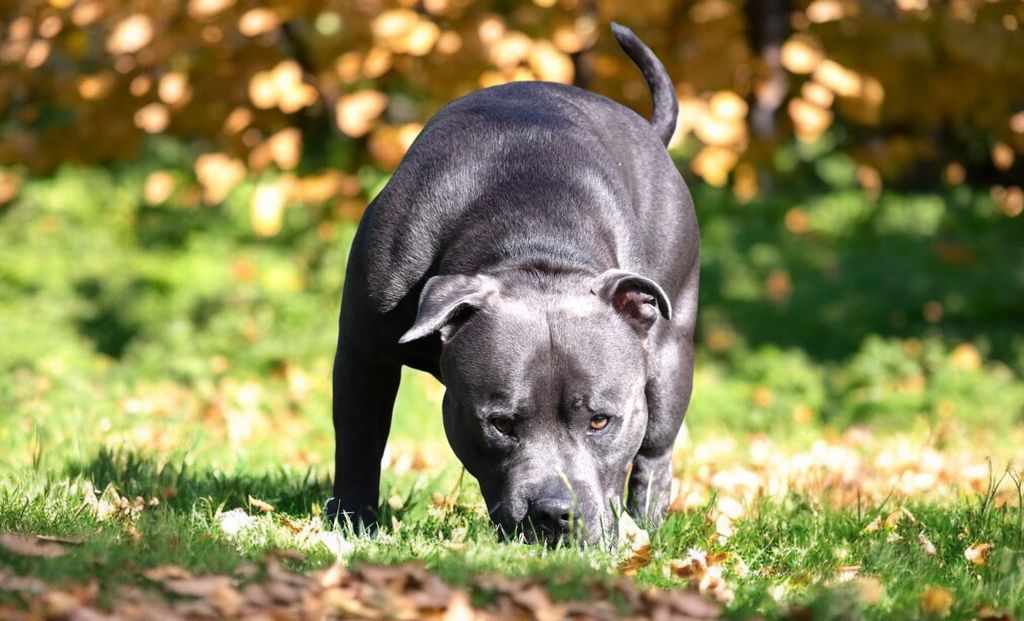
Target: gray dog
(537,252)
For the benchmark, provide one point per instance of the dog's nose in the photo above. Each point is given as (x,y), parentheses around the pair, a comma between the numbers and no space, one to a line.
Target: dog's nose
(551,516)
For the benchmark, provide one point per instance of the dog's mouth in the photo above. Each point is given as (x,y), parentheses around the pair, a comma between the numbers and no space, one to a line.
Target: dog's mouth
(573,531)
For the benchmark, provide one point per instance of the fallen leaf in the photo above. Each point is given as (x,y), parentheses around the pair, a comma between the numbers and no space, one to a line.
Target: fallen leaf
(261,505)
(197,586)
(978,553)
(692,605)
(294,526)
(936,601)
(988,613)
(536,601)
(637,560)
(847,572)
(705,572)
(28,545)
(28,584)
(926,544)
(160,573)
(898,516)
(636,543)
(333,576)
(869,590)
(459,608)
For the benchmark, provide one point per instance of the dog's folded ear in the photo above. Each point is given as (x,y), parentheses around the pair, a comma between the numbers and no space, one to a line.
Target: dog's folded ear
(639,300)
(447,301)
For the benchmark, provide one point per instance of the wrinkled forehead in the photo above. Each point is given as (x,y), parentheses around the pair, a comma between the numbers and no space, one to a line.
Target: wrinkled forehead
(568,347)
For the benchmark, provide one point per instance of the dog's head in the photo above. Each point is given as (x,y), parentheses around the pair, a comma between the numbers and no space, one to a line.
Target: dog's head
(545,401)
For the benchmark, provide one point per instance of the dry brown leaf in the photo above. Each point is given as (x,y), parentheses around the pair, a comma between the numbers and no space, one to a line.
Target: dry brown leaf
(160,573)
(294,526)
(28,545)
(705,572)
(892,520)
(261,505)
(334,576)
(535,600)
(874,525)
(637,560)
(28,584)
(197,586)
(637,545)
(978,553)
(459,608)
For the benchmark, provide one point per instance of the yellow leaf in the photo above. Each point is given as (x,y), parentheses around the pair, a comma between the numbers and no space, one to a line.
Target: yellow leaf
(257,21)
(965,357)
(728,105)
(152,118)
(201,9)
(357,112)
(801,54)
(131,35)
(174,89)
(266,210)
(550,64)
(218,174)
(936,601)
(158,187)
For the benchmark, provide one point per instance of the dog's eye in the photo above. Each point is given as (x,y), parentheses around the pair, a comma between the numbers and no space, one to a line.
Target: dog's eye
(505,426)
(599,422)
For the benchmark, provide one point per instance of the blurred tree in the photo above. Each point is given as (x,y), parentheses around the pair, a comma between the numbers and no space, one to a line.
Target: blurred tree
(913,90)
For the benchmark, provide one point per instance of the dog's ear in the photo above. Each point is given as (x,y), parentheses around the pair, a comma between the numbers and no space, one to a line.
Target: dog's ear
(637,299)
(447,301)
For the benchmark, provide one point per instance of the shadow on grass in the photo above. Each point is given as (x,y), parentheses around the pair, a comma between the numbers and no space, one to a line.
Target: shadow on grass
(181,486)
(819,272)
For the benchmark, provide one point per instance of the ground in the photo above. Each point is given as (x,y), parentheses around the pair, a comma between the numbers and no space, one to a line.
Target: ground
(852,450)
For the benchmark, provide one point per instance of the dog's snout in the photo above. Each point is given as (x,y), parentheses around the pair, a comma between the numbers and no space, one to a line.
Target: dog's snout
(551,516)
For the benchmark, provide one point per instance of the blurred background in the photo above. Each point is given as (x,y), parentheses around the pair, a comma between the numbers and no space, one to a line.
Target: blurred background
(179,183)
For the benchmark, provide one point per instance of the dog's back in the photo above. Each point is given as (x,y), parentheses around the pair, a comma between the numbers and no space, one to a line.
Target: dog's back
(526,161)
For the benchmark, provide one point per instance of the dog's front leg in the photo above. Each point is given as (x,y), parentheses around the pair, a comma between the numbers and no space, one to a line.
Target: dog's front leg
(364,395)
(668,395)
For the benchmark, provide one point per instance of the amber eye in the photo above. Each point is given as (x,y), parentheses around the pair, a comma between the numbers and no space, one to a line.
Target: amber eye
(599,422)
(505,426)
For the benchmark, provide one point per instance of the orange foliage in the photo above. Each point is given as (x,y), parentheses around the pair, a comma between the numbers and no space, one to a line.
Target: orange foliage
(86,80)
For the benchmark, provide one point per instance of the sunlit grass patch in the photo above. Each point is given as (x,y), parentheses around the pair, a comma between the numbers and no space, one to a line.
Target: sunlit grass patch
(165,401)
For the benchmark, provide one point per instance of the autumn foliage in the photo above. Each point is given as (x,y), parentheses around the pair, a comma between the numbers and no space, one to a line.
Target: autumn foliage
(911,89)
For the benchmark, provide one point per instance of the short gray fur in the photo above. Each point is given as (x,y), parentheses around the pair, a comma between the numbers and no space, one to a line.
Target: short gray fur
(537,251)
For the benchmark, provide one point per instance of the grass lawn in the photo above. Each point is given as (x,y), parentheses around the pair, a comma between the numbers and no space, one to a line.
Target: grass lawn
(852,450)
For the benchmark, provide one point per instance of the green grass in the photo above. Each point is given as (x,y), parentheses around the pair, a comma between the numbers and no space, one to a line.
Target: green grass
(170,353)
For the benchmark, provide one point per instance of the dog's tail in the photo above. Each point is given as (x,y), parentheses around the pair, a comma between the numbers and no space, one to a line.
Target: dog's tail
(666,106)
